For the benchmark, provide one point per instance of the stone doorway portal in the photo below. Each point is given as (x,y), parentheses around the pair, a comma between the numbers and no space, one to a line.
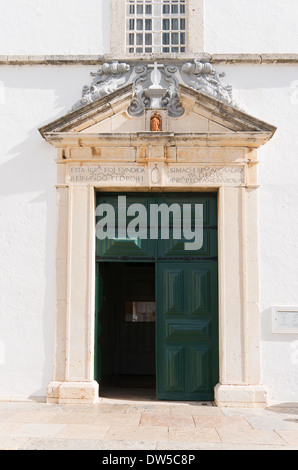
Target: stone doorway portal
(205,144)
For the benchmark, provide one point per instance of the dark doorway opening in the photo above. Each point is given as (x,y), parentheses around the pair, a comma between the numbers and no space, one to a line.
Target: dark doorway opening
(127,322)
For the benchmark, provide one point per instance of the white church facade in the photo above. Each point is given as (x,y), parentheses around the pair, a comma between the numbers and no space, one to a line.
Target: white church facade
(117,108)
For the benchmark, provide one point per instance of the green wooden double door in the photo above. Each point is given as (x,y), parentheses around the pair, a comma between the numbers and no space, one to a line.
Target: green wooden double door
(185,293)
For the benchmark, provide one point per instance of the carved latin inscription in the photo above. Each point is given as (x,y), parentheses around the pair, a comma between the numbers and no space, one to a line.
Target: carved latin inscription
(176,175)
(111,175)
(197,175)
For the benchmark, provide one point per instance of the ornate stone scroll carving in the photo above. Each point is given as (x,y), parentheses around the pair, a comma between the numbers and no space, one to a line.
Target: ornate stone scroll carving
(203,77)
(156,85)
(107,79)
(141,81)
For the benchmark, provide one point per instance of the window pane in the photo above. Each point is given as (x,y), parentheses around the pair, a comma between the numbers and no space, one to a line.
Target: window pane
(148,9)
(139,39)
(166,9)
(182,24)
(148,25)
(131,9)
(131,39)
(166,38)
(166,25)
(182,38)
(174,9)
(131,25)
(175,38)
(175,24)
(148,39)
(139,9)
(139,25)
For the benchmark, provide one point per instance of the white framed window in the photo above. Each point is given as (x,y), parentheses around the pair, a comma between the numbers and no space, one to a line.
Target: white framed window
(156,26)
(144,27)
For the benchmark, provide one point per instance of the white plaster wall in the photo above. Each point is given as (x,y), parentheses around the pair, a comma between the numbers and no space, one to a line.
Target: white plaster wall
(56,27)
(271,93)
(46,27)
(251,26)
(31,96)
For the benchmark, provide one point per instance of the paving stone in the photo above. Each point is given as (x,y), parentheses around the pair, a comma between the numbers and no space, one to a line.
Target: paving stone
(221,421)
(12,443)
(196,411)
(83,431)
(274,422)
(149,409)
(193,435)
(165,420)
(138,433)
(30,417)
(252,436)
(73,418)
(120,419)
(117,424)
(38,430)
(61,444)
(6,429)
(176,446)
(291,437)
(126,445)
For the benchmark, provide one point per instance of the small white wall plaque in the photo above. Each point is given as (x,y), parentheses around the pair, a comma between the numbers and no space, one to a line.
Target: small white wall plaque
(285,320)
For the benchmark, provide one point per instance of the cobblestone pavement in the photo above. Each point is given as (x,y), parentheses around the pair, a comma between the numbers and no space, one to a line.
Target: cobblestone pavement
(139,422)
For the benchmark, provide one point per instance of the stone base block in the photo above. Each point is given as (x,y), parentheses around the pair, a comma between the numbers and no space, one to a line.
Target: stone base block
(240,396)
(72,392)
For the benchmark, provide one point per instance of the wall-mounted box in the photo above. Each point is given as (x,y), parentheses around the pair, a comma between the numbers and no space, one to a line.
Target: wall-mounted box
(285,320)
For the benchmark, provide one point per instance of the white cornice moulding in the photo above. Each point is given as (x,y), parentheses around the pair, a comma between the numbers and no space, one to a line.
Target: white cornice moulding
(100,59)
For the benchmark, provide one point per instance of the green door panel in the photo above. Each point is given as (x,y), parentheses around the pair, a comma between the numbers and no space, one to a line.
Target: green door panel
(186,296)
(172,248)
(121,246)
(187,330)
(98,328)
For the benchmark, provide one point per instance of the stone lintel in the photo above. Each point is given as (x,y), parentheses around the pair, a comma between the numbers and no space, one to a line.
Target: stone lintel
(240,139)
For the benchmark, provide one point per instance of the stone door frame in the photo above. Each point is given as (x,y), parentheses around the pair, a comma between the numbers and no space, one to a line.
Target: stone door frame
(238,272)
(222,158)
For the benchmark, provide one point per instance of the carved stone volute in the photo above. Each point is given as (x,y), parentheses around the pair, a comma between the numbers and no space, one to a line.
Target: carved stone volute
(156,85)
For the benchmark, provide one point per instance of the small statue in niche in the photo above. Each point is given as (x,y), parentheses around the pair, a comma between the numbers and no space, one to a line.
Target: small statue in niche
(156,123)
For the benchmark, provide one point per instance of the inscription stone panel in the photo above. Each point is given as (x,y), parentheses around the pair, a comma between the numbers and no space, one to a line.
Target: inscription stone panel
(108,175)
(197,175)
(147,175)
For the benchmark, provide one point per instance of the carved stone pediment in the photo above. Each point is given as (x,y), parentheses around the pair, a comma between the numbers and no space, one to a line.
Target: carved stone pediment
(156,84)
(205,120)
